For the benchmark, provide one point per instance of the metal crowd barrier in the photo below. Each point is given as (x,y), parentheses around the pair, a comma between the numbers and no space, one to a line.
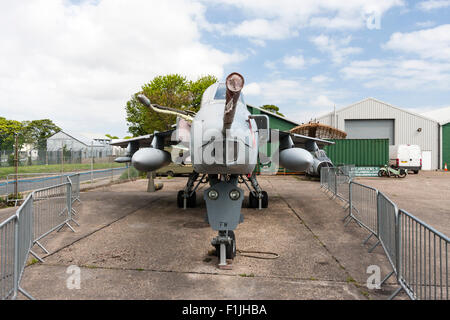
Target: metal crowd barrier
(418,254)
(342,186)
(16,240)
(363,207)
(423,266)
(7,258)
(43,211)
(75,180)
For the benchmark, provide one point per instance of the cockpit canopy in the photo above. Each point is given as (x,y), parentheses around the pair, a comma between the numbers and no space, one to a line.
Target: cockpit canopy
(217,92)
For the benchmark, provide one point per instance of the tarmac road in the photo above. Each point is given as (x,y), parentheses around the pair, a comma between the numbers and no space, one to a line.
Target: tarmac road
(137,245)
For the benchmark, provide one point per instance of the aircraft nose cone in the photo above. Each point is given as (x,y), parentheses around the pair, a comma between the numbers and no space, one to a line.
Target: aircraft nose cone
(296,159)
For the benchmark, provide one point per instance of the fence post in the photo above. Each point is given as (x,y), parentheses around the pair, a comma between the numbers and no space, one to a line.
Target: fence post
(398,242)
(378,226)
(69,200)
(16,257)
(335,183)
(350,205)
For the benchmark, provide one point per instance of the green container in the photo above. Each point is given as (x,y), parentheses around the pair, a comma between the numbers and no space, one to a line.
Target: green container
(446,145)
(360,152)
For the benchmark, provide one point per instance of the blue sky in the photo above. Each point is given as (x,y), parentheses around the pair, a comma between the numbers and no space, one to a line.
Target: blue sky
(78,62)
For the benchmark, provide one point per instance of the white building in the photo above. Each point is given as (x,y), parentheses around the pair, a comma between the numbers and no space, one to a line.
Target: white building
(86,148)
(374,119)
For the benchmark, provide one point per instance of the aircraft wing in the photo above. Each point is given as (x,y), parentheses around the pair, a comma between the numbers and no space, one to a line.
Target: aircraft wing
(300,140)
(146,140)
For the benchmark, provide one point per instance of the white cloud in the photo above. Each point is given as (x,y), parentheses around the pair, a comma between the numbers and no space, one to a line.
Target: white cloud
(400,74)
(433,4)
(270,64)
(431,43)
(294,62)
(252,89)
(320,79)
(79,64)
(273,20)
(337,48)
(425,24)
(322,101)
(298,99)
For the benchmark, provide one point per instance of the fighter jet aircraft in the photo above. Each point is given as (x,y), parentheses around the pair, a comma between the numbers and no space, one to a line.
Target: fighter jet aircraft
(223,141)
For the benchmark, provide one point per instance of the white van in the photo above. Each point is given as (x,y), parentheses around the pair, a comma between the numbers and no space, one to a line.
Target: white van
(407,156)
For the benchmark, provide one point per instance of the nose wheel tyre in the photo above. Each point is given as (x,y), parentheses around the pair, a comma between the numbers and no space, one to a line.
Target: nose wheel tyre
(229,248)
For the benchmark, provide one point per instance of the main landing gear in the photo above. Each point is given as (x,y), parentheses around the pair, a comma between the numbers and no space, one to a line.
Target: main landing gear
(187,198)
(257,197)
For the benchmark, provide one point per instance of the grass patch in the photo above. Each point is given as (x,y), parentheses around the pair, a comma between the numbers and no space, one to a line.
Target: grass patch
(244,275)
(351,280)
(33,261)
(52,168)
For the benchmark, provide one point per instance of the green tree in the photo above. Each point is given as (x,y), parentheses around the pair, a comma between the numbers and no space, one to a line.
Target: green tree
(197,88)
(171,90)
(272,108)
(111,137)
(8,129)
(37,132)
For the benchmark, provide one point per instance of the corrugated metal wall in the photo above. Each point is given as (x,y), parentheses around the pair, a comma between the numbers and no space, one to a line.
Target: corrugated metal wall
(406,124)
(360,152)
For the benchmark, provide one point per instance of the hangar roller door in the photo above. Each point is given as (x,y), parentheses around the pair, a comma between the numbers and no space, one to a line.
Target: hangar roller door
(370,129)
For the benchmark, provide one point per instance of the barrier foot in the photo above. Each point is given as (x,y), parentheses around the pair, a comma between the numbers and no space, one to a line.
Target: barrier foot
(36,256)
(74,221)
(42,247)
(367,239)
(78,200)
(387,277)
(74,212)
(376,245)
(66,224)
(348,221)
(396,292)
(346,217)
(26,294)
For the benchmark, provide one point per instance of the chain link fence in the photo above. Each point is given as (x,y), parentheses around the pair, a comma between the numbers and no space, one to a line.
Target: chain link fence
(418,254)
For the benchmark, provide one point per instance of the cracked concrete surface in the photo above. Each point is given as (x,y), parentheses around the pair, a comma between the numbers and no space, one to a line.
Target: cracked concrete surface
(137,245)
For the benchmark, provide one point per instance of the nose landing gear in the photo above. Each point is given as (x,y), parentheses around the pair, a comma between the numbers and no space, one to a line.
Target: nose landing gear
(225,244)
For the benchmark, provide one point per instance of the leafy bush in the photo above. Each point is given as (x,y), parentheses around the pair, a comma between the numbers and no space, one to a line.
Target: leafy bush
(134,174)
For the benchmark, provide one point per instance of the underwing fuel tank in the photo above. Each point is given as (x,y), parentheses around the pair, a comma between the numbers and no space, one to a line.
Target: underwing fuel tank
(150,159)
(296,159)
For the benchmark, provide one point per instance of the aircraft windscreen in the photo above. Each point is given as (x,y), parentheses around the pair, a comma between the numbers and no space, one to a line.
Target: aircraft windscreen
(222,91)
